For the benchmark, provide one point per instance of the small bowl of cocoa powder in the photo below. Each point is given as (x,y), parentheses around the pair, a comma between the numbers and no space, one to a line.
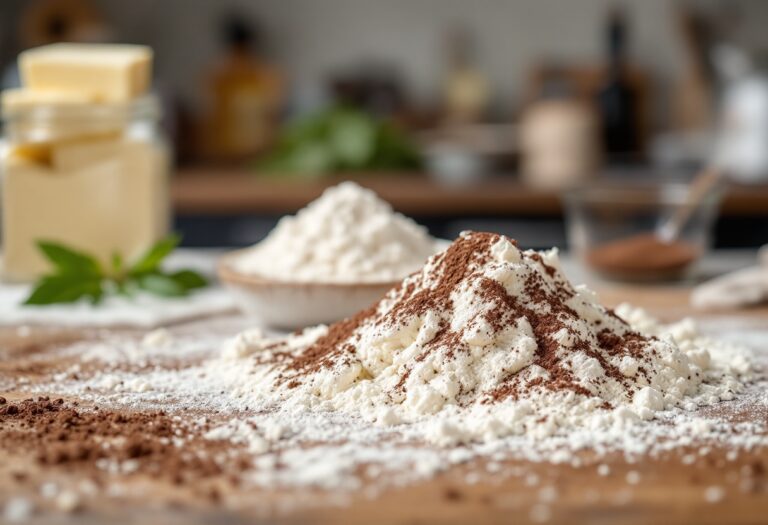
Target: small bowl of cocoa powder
(612,230)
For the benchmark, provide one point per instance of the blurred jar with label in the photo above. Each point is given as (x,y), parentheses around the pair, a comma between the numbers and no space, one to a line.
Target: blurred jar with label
(742,144)
(83,165)
(559,146)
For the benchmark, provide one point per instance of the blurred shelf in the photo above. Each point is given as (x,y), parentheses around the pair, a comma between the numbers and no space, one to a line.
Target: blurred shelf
(227,192)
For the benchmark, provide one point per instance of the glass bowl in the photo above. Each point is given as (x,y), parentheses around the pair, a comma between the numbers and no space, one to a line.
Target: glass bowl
(612,230)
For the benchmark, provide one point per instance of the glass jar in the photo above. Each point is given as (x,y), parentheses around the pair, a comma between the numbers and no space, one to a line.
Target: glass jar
(613,229)
(93,177)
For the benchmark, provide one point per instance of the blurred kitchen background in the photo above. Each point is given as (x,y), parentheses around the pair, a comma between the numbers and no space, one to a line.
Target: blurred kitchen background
(463,114)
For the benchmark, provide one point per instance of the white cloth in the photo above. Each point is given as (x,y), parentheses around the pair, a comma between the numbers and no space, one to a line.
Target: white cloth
(740,288)
(142,311)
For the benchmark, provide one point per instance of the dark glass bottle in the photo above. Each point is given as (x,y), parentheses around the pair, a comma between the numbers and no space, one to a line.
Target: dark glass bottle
(617,98)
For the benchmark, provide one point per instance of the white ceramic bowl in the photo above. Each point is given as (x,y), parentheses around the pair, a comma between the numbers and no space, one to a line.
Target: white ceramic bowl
(293,305)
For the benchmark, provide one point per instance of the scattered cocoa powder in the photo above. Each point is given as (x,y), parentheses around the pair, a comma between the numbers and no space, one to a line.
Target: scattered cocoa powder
(57,433)
(315,356)
(455,265)
(461,265)
(453,494)
(642,257)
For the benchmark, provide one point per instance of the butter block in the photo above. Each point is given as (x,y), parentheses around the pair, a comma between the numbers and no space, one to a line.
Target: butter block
(78,154)
(67,115)
(24,98)
(105,72)
(58,123)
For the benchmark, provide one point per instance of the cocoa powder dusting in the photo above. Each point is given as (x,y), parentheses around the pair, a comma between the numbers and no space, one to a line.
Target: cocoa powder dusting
(545,308)
(321,352)
(454,265)
(57,433)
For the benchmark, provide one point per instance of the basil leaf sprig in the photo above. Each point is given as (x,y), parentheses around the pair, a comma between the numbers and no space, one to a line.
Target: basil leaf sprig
(77,275)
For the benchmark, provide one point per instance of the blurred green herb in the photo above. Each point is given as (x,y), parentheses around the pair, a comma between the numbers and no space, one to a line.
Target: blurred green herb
(77,275)
(340,139)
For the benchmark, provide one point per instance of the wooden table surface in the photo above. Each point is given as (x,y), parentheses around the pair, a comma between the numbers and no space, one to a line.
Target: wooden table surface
(231,192)
(669,491)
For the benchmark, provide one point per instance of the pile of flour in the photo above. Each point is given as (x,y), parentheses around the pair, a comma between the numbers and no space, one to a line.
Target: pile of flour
(347,235)
(489,341)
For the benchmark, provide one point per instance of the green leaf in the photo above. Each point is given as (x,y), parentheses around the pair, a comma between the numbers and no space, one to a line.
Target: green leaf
(394,150)
(117,264)
(65,288)
(189,279)
(339,139)
(78,275)
(160,284)
(151,260)
(352,138)
(312,158)
(68,260)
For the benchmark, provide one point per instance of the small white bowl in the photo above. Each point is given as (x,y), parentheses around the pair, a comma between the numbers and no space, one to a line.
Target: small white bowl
(293,305)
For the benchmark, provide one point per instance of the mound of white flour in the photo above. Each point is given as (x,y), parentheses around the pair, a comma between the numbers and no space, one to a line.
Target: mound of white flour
(489,341)
(347,235)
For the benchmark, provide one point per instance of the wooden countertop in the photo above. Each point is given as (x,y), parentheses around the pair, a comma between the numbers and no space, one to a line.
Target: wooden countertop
(670,491)
(228,192)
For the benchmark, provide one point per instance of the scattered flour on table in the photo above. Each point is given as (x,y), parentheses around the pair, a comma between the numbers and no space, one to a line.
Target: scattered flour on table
(347,235)
(488,354)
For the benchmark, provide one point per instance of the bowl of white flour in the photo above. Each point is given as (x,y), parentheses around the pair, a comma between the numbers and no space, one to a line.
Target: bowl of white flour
(333,258)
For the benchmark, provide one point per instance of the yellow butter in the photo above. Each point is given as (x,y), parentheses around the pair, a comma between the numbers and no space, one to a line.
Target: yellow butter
(24,98)
(79,154)
(103,72)
(38,118)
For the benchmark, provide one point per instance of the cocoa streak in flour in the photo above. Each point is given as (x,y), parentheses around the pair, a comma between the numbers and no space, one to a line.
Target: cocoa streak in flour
(546,310)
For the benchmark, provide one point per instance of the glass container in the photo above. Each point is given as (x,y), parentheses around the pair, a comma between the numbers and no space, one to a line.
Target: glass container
(91,176)
(613,229)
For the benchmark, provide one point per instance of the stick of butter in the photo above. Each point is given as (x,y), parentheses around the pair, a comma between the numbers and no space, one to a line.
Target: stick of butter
(21,98)
(65,116)
(106,72)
